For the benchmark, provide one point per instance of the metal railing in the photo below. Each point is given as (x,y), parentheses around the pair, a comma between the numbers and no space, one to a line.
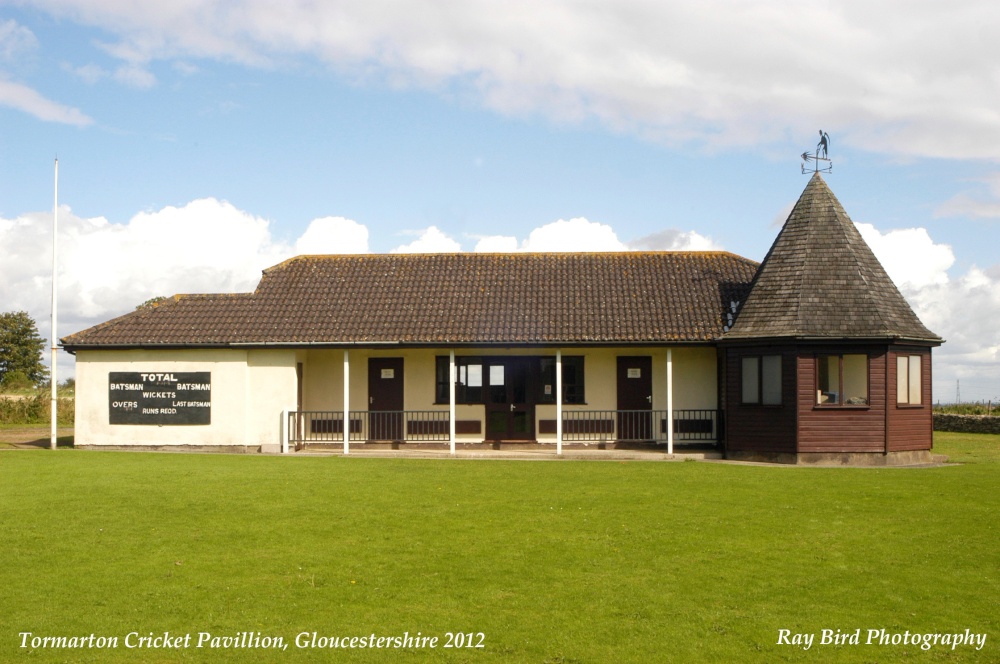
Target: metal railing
(369,425)
(584,426)
(695,426)
(640,426)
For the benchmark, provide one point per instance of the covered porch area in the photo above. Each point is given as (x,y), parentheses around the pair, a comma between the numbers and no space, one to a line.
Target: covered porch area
(654,398)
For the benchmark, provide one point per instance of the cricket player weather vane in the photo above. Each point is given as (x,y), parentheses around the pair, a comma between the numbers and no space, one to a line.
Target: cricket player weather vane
(821,159)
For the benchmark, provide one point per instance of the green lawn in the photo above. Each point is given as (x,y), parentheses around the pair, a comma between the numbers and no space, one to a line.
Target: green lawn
(569,561)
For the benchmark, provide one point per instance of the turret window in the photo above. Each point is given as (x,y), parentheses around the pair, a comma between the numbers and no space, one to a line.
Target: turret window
(761,380)
(842,380)
(908,380)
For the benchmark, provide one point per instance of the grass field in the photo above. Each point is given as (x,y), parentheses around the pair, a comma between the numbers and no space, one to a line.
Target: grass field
(551,561)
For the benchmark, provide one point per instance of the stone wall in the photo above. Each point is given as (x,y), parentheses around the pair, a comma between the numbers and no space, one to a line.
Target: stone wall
(966,423)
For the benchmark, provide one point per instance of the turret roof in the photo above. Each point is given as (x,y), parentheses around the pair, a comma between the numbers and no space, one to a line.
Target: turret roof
(821,280)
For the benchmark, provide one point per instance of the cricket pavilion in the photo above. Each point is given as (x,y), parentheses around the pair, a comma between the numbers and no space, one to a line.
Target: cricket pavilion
(812,356)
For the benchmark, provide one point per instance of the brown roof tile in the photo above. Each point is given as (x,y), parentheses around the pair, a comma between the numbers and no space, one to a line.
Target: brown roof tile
(629,297)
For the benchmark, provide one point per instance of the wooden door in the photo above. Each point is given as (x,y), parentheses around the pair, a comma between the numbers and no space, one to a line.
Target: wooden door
(385,398)
(510,409)
(635,398)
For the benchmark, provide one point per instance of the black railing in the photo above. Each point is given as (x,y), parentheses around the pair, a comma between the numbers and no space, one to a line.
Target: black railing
(639,426)
(695,426)
(369,425)
(584,426)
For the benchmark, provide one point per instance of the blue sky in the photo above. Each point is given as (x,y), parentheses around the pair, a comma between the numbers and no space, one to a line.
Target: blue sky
(205,140)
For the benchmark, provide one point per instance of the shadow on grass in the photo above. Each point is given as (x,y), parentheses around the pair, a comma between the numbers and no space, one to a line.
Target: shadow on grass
(33,437)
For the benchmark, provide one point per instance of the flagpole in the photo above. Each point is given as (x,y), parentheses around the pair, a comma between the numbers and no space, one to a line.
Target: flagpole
(55,337)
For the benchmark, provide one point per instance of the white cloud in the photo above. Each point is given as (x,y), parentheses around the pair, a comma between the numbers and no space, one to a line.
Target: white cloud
(23,98)
(206,245)
(675,240)
(185,68)
(909,255)
(89,73)
(333,235)
(884,76)
(15,40)
(963,310)
(581,234)
(432,240)
(496,244)
(106,269)
(135,77)
(577,234)
(977,203)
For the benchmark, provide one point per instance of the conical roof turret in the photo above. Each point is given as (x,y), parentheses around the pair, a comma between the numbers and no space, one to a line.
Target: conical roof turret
(820,280)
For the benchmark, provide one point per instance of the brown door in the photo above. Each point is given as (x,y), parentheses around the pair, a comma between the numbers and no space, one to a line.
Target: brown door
(510,410)
(385,398)
(635,398)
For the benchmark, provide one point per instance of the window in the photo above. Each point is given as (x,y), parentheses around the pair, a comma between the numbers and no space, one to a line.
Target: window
(477,381)
(572,379)
(842,380)
(761,380)
(468,380)
(908,379)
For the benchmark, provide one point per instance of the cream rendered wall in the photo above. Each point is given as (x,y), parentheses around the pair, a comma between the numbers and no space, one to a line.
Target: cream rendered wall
(228,425)
(249,391)
(271,388)
(694,379)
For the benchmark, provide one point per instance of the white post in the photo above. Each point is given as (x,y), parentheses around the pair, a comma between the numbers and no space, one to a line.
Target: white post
(670,401)
(54,406)
(347,402)
(284,431)
(451,400)
(559,403)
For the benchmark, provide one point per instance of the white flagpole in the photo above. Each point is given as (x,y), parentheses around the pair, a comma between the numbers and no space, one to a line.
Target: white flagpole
(55,337)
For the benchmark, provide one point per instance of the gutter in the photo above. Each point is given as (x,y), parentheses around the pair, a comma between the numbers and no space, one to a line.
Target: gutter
(827,339)
(72,348)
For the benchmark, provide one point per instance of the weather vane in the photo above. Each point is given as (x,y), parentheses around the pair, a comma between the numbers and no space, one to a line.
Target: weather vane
(822,155)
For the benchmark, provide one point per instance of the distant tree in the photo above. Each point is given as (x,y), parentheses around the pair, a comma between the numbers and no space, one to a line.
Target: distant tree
(21,348)
(16,380)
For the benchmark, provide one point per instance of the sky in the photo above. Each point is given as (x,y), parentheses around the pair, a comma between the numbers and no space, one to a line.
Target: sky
(201,141)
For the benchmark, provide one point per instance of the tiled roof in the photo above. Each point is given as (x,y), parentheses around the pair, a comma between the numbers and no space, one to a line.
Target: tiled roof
(215,319)
(821,280)
(522,298)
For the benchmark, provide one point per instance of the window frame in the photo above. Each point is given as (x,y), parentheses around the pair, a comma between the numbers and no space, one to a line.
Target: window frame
(908,359)
(760,363)
(442,364)
(840,382)
(574,392)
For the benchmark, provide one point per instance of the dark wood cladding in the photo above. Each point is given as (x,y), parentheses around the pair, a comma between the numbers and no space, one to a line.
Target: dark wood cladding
(843,429)
(799,425)
(911,427)
(753,427)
